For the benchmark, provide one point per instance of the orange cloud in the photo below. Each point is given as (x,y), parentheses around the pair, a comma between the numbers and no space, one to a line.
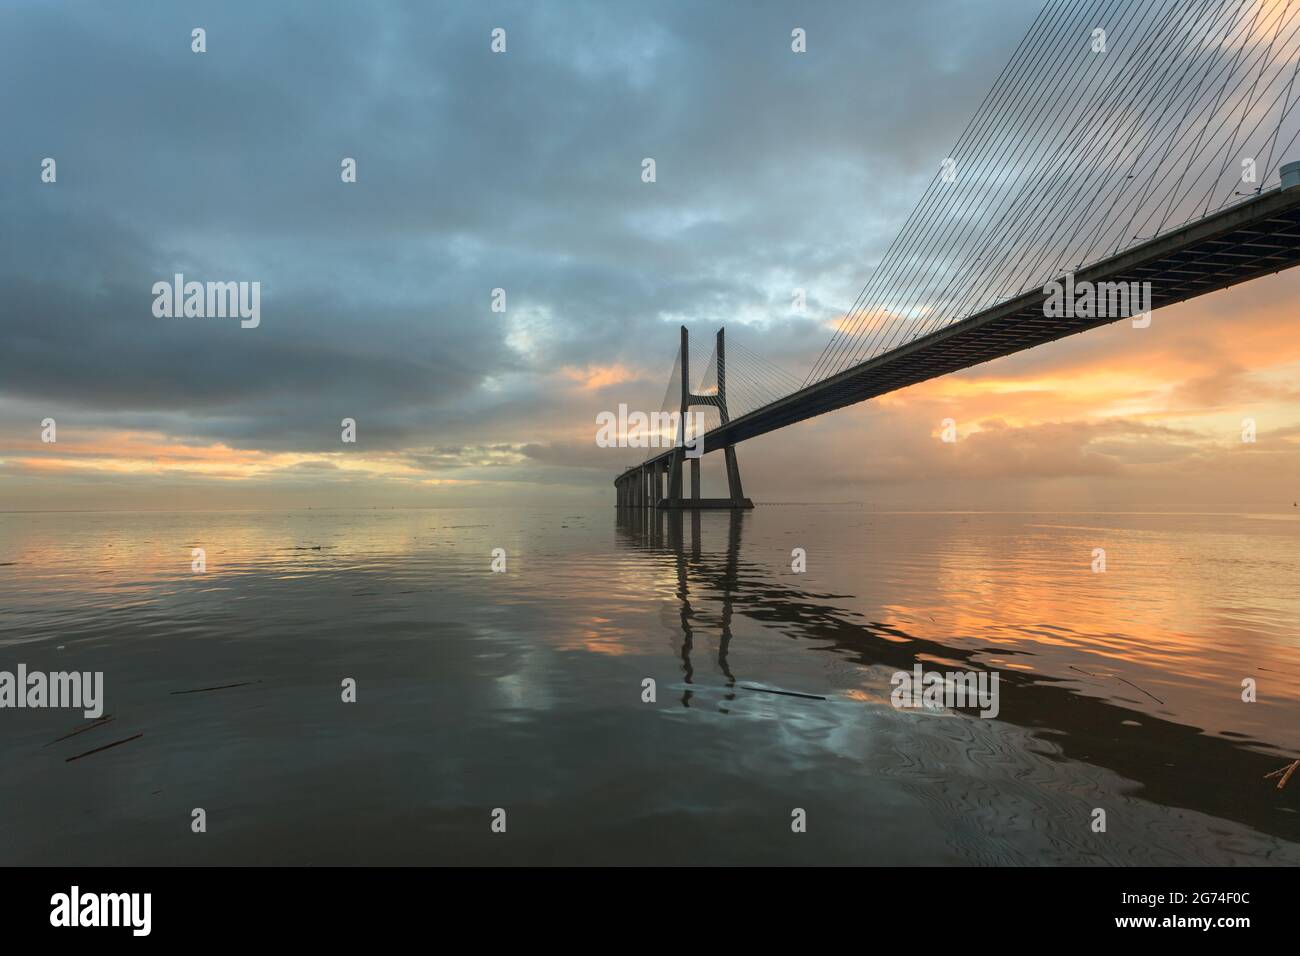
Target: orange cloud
(137,453)
(598,376)
(1198,360)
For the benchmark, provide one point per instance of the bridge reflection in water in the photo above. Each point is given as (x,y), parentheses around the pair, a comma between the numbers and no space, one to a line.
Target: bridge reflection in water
(1175,764)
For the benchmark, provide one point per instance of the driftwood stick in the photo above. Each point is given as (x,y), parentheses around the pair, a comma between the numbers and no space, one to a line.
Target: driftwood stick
(200,690)
(97,722)
(1287,776)
(1284,773)
(115,743)
(1117,677)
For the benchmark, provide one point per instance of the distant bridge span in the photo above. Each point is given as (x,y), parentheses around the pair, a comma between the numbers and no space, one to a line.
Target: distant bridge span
(1251,239)
(1141,152)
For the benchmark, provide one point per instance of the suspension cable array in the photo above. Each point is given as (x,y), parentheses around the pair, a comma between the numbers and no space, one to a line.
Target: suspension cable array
(1114,122)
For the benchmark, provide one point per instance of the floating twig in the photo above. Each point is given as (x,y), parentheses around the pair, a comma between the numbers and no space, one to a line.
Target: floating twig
(97,722)
(1117,677)
(787,693)
(1284,773)
(200,690)
(125,740)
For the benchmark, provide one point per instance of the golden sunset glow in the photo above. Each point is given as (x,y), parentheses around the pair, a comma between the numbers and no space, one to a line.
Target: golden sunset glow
(598,376)
(1186,382)
(140,454)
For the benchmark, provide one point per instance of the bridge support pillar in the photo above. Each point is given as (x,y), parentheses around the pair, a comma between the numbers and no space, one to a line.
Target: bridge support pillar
(649,479)
(675,475)
(735,494)
(734,488)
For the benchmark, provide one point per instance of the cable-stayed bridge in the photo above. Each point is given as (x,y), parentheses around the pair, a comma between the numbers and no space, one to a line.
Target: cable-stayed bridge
(1131,155)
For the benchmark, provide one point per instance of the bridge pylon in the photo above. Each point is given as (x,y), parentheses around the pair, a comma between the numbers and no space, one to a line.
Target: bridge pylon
(735,491)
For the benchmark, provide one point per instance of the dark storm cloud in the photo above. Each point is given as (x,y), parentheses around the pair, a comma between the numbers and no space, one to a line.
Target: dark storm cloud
(475,171)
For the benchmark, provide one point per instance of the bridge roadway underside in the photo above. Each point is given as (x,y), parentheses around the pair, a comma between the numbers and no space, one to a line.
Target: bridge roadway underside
(1251,239)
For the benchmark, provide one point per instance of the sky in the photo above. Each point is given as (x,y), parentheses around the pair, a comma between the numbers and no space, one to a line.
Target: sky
(522,171)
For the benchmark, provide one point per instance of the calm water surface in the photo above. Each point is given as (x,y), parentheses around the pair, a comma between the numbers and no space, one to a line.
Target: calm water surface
(522,690)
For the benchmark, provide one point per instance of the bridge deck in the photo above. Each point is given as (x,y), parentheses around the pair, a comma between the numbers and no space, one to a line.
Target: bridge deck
(1247,240)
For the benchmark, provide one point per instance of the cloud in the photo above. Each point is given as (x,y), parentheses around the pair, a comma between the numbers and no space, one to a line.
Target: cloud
(522,172)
